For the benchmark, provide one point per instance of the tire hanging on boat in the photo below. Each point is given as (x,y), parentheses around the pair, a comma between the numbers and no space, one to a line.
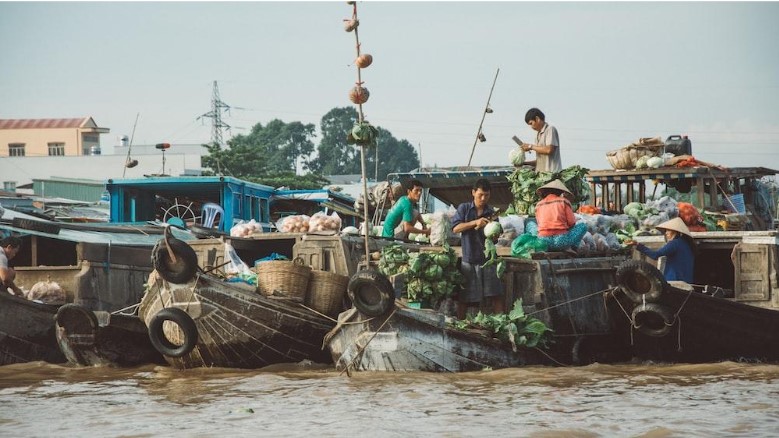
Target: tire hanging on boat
(78,322)
(371,293)
(652,319)
(180,271)
(185,323)
(641,281)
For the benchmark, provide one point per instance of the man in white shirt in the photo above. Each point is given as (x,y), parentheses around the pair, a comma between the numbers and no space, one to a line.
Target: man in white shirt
(547,145)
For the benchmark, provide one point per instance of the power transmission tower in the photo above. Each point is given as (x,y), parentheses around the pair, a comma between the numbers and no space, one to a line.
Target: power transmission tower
(216,116)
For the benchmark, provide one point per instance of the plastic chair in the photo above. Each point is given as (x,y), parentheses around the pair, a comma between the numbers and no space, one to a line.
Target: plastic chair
(209,213)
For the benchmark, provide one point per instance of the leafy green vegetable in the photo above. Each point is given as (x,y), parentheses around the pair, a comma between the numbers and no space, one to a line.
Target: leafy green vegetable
(525,182)
(517,328)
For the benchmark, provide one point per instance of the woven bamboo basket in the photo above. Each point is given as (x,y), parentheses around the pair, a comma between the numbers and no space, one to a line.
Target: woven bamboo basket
(285,277)
(326,292)
(625,158)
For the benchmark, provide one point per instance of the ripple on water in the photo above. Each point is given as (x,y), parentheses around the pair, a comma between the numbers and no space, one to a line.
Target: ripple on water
(649,400)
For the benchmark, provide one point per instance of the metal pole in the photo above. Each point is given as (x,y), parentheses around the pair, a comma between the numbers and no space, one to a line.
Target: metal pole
(482,117)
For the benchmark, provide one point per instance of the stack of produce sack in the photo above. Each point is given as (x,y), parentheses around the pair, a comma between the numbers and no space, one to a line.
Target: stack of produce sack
(604,233)
(512,225)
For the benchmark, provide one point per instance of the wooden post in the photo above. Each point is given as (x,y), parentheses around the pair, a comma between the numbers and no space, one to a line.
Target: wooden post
(618,196)
(629,193)
(699,183)
(594,199)
(713,193)
(642,192)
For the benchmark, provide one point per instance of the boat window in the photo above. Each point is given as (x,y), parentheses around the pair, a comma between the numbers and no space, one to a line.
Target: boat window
(264,210)
(237,214)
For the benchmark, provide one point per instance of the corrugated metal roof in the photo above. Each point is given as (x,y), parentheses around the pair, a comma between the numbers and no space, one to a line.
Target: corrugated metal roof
(138,238)
(43,123)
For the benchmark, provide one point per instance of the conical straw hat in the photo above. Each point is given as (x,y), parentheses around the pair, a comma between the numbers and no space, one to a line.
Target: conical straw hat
(675,224)
(554,185)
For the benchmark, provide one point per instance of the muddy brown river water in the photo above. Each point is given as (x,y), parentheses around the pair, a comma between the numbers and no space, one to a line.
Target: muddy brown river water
(636,400)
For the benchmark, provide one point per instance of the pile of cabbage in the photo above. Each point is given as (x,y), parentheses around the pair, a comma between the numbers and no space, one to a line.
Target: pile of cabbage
(525,181)
(430,276)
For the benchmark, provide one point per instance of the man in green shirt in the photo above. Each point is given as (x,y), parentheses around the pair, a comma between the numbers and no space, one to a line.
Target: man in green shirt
(403,215)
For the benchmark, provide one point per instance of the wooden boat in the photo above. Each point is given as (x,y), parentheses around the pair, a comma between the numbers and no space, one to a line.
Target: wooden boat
(421,340)
(99,338)
(100,267)
(221,324)
(27,331)
(565,293)
(678,322)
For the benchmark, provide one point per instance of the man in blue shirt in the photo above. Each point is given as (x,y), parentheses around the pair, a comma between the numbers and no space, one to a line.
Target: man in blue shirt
(470,220)
(401,218)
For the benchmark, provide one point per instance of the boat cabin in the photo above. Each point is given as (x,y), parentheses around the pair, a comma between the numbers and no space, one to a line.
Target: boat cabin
(711,188)
(738,265)
(216,202)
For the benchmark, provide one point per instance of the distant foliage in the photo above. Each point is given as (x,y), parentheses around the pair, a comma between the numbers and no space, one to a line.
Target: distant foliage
(270,154)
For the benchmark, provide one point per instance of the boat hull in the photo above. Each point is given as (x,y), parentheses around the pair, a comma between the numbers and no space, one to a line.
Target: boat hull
(410,340)
(103,339)
(27,331)
(236,326)
(702,328)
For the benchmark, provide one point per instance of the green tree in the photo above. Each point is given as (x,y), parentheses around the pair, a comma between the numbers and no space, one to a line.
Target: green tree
(270,150)
(336,157)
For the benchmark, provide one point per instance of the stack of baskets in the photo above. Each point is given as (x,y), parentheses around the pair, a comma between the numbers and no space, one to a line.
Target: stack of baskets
(626,157)
(321,290)
(287,277)
(326,292)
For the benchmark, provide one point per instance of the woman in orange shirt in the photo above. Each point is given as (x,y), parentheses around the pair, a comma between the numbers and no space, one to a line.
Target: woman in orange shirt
(555,223)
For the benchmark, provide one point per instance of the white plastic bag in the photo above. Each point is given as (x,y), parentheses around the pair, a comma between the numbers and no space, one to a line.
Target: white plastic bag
(440,228)
(298,223)
(321,222)
(236,265)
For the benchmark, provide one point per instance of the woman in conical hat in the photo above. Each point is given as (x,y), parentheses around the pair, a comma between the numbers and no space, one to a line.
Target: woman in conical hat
(552,187)
(555,223)
(679,251)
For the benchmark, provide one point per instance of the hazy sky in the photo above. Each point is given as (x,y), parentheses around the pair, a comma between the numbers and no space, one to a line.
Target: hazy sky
(604,73)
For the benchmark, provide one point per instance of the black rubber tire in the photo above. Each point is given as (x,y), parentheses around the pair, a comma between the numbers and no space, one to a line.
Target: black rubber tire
(371,293)
(185,266)
(76,320)
(641,281)
(33,225)
(188,328)
(652,319)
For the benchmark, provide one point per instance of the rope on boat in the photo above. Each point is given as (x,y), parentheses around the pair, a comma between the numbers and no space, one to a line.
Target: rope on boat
(550,357)
(600,292)
(630,320)
(134,308)
(362,349)
(560,291)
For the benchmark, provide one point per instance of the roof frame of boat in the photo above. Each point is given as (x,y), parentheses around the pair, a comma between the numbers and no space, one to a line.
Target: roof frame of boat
(452,185)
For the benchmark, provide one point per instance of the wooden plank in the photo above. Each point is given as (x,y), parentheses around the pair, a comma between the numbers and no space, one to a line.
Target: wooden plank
(751,272)
(699,183)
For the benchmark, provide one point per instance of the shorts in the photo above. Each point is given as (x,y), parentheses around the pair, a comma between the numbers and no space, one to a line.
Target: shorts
(480,283)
